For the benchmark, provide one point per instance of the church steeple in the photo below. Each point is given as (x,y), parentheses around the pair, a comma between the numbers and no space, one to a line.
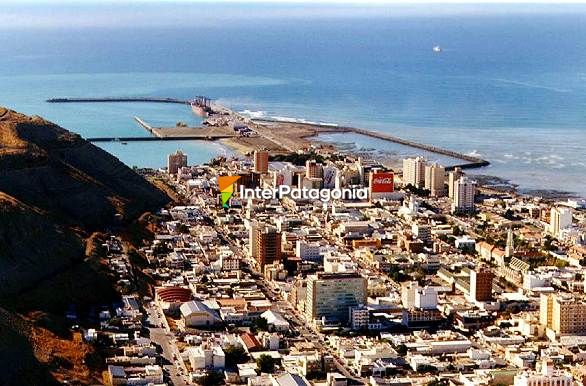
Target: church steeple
(510,248)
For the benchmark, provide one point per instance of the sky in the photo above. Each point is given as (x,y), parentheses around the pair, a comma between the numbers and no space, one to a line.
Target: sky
(156,13)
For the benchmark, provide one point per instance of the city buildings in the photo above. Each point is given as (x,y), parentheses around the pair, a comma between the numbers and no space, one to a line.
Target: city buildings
(563,314)
(304,282)
(261,161)
(453,177)
(176,161)
(548,376)
(331,295)
(267,245)
(481,284)
(435,177)
(414,172)
(560,219)
(463,195)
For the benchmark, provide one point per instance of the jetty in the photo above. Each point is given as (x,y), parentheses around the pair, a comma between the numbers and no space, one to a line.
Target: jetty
(276,136)
(313,130)
(118,99)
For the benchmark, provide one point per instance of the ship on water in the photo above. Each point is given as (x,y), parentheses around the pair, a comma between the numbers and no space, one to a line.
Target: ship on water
(201,106)
(437,49)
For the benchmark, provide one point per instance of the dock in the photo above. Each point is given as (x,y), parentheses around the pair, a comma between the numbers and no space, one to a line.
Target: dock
(118,99)
(316,129)
(276,136)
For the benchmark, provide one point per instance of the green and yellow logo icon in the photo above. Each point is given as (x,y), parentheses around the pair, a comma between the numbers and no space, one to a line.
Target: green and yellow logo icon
(226,185)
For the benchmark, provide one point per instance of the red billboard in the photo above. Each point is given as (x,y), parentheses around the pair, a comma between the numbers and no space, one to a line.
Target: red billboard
(382,182)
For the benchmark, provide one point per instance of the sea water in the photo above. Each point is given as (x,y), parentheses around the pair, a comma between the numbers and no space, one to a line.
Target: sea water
(509,86)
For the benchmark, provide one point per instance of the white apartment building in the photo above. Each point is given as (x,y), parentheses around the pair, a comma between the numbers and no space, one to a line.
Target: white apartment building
(560,219)
(414,172)
(307,250)
(435,176)
(464,193)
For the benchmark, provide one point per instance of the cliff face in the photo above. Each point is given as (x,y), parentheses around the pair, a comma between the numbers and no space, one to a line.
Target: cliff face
(54,188)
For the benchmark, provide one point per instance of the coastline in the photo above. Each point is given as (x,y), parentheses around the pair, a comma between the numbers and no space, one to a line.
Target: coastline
(305,134)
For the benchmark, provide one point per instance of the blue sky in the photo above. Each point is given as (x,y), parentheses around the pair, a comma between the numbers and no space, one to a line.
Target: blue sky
(153,13)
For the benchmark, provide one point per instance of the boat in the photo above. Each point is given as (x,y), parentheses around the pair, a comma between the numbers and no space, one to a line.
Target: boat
(125,143)
(437,49)
(199,110)
(201,106)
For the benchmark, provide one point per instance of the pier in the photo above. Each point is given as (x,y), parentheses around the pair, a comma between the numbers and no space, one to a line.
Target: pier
(118,99)
(471,161)
(315,129)
(268,134)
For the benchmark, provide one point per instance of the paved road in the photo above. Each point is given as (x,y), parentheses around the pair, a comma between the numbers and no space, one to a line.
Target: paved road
(165,339)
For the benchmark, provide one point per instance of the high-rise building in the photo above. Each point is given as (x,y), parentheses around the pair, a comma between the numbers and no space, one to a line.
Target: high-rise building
(464,193)
(313,169)
(563,313)
(453,176)
(268,246)
(252,234)
(559,219)
(414,172)
(481,284)
(261,161)
(331,295)
(175,161)
(435,176)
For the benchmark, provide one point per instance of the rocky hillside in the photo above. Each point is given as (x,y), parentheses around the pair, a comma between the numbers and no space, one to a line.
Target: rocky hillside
(55,188)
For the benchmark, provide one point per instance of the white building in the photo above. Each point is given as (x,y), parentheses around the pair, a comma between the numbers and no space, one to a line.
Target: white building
(197,314)
(413,296)
(414,172)
(206,357)
(547,377)
(560,219)
(453,177)
(464,193)
(307,250)
(359,317)
(435,176)
(275,321)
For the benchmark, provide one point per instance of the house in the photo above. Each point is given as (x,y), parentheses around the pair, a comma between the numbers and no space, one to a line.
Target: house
(289,380)
(197,314)
(275,321)
(249,342)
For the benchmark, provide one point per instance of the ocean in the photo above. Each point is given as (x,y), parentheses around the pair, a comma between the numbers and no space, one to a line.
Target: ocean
(508,86)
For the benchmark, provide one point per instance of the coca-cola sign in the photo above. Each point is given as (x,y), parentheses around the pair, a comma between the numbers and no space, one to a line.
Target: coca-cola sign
(382,183)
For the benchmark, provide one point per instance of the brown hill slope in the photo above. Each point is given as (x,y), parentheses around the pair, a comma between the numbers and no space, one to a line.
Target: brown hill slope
(55,187)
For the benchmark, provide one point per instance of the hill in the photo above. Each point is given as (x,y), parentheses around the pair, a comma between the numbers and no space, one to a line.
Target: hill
(55,189)
(56,192)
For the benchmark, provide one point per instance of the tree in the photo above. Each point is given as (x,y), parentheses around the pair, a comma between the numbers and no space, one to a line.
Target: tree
(212,378)
(438,382)
(235,354)
(261,324)
(401,350)
(182,228)
(265,364)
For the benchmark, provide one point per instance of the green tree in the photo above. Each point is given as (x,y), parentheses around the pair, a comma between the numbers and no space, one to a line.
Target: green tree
(265,364)
(235,354)
(212,378)
(261,324)
(401,350)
